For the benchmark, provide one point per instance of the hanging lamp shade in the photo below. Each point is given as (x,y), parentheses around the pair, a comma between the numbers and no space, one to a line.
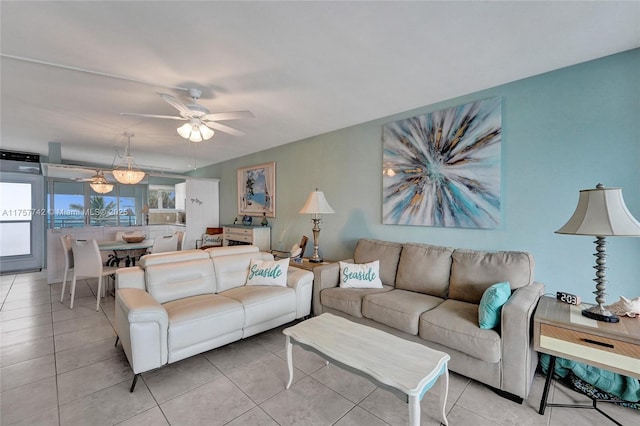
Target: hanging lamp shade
(127,172)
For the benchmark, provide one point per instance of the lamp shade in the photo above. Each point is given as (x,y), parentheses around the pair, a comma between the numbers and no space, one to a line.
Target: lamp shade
(195,131)
(601,212)
(127,174)
(316,204)
(101,188)
(100,185)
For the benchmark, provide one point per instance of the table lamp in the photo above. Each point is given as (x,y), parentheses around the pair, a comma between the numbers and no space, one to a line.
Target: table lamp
(601,212)
(316,205)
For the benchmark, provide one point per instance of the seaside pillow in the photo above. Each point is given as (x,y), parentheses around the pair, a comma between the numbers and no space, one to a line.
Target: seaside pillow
(360,275)
(209,240)
(268,272)
(491,305)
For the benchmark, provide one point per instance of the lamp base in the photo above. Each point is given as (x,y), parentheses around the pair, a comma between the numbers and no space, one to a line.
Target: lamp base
(315,259)
(599,314)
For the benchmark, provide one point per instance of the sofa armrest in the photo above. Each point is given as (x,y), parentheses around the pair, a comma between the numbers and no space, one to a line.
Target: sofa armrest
(302,282)
(324,276)
(518,357)
(132,277)
(142,325)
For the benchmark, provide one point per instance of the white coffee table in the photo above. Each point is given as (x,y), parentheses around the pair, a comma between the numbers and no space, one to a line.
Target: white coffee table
(406,368)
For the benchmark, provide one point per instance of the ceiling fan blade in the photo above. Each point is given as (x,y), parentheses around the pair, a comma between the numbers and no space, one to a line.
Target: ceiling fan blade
(184,110)
(171,117)
(234,115)
(223,128)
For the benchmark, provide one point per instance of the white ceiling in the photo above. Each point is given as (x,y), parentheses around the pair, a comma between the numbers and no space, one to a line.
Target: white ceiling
(303,68)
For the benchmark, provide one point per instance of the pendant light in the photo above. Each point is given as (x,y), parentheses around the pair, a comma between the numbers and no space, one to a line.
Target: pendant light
(127,172)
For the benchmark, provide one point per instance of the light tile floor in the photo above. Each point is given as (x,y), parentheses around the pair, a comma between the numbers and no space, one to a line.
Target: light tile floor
(60,367)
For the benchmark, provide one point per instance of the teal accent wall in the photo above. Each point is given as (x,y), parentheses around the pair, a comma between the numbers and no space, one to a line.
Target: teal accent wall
(563,131)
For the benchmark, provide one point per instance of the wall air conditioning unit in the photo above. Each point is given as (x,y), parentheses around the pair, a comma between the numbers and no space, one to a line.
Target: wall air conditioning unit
(21,162)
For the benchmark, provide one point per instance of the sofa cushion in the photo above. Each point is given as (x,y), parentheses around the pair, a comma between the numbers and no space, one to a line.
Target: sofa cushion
(360,275)
(232,270)
(195,321)
(491,305)
(170,281)
(348,300)
(386,252)
(424,268)
(171,257)
(399,309)
(454,324)
(268,272)
(472,272)
(263,303)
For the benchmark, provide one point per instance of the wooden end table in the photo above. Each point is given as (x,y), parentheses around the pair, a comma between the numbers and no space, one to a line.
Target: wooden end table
(307,264)
(560,330)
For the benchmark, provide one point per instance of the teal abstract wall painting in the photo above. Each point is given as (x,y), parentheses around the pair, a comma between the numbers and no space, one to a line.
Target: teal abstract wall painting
(443,168)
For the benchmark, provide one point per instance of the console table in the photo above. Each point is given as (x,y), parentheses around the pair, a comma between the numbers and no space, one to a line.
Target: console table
(240,234)
(560,330)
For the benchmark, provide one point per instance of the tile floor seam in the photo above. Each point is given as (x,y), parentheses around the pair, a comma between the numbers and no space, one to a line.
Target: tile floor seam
(55,364)
(364,409)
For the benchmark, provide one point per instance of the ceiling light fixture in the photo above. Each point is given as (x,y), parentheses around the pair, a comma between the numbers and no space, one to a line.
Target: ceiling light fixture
(195,131)
(127,172)
(100,185)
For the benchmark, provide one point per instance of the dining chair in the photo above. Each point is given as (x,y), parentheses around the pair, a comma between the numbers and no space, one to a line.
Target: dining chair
(88,264)
(165,243)
(66,241)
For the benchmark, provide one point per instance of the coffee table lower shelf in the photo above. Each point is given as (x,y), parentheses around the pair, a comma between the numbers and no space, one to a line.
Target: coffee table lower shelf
(368,352)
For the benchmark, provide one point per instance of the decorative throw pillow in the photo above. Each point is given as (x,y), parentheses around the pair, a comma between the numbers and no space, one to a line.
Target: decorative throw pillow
(209,240)
(268,272)
(360,275)
(491,305)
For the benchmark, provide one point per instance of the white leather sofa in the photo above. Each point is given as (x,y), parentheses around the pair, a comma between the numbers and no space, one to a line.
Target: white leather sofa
(178,304)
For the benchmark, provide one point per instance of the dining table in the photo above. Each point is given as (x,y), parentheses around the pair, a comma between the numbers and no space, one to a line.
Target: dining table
(123,250)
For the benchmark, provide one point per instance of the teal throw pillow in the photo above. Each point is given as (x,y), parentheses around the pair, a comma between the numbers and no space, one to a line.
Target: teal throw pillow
(491,304)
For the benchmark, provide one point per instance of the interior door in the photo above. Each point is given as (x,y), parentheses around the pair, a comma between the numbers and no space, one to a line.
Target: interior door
(22,215)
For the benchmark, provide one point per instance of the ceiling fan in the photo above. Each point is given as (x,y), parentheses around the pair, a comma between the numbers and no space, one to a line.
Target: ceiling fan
(200,121)
(97,182)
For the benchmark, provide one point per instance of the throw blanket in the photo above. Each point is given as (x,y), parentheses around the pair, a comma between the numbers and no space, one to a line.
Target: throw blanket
(623,387)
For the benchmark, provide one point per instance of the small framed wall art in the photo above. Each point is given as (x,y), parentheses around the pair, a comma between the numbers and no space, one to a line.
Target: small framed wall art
(257,190)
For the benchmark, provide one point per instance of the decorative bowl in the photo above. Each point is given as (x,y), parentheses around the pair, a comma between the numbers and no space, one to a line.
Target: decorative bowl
(134,238)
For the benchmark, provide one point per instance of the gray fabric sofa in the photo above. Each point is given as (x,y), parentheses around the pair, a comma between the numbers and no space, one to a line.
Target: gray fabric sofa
(431,295)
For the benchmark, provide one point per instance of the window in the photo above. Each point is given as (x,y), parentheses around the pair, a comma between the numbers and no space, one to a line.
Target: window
(75,204)
(17,213)
(162,197)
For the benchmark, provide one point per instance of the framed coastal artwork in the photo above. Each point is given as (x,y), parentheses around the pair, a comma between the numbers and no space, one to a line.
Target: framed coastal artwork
(443,168)
(257,190)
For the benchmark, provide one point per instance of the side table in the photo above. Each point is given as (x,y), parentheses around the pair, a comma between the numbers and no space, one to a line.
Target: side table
(560,330)
(308,265)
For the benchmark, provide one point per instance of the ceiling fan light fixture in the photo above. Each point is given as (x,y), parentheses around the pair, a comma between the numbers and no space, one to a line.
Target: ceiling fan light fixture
(101,188)
(100,184)
(127,173)
(185,130)
(206,132)
(195,134)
